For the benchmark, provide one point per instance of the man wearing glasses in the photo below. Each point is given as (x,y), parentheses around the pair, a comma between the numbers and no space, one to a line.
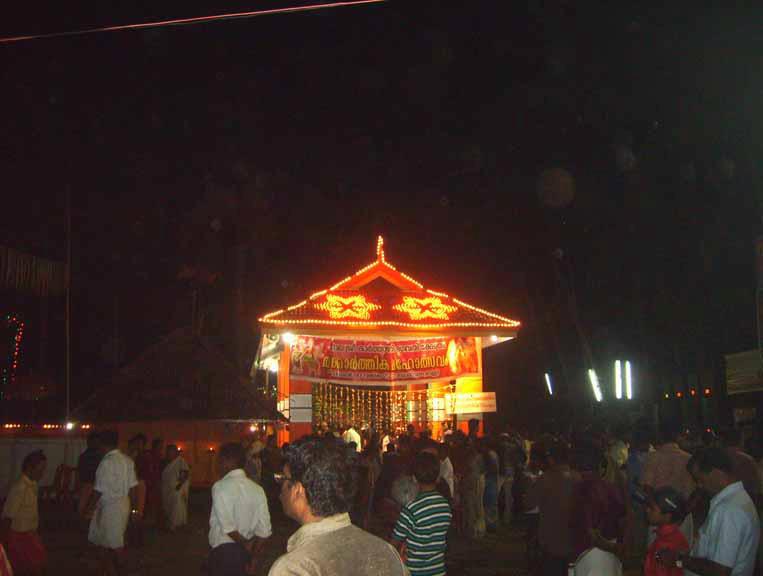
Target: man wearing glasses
(317,491)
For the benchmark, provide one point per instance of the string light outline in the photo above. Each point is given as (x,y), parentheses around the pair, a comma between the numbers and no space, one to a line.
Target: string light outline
(187,21)
(503,322)
(9,374)
(285,321)
(15,426)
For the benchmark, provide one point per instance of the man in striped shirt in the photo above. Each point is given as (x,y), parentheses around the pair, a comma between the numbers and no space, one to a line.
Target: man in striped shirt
(422,528)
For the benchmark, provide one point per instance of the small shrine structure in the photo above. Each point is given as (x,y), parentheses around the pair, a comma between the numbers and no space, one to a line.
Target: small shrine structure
(379,349)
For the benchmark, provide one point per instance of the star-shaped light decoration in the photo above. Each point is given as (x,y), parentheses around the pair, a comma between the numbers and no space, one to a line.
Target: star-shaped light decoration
(423,308)
(340,308)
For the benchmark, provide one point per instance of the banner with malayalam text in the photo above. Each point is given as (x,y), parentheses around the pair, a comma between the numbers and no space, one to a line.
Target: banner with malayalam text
(378,362)
(470,403)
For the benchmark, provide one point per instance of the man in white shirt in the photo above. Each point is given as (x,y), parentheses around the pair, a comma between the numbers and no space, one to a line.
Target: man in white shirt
(386,439)
(254,454)
(111,503)
(351,435)
(240,519)
(446,468)
(728,540)
(175,488)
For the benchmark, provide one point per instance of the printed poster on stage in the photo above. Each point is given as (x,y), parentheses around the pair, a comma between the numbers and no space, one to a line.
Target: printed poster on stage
(376,362)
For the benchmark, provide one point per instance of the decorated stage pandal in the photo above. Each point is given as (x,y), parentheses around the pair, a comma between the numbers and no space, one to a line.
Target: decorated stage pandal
(379,349)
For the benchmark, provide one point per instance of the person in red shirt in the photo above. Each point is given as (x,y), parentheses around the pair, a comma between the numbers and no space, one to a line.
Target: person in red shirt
(665,510)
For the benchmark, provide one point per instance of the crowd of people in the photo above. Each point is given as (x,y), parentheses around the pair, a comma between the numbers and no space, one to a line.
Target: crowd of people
(589,502)
(118,495)
(669,506)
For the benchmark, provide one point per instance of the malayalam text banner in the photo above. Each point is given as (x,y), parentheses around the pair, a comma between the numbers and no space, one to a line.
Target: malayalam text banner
(470,403)
(376,362)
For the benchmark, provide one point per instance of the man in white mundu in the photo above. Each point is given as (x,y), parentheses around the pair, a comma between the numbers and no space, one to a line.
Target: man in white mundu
(110,504)
(351,435)
(175,488)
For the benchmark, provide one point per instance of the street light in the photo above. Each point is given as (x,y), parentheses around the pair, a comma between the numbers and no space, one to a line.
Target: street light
(618,380)
(595,384)
(272,364)
(548,384)
(628,381)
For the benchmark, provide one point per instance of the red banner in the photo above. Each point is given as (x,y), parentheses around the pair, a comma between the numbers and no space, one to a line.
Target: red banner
(377,362)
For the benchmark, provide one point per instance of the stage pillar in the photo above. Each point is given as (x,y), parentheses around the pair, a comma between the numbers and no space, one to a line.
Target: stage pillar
(300,409)
(295,401)
(282,393)
(468,385)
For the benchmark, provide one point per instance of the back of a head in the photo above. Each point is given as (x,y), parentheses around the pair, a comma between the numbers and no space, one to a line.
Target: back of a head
(32,459)
(426,468)
(622,431)
(138,439)
(559,452)
(588,457)
(443,450)
(713,458)
(538,454)
(642,438)
(109,439)
(670,501)
(323,468)
(429,445)
(669,432)
(732,437)
(93,439)
(374,442)
(234,453)
(709,438)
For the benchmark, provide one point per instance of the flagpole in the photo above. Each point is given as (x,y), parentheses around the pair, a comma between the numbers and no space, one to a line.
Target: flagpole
(68,280)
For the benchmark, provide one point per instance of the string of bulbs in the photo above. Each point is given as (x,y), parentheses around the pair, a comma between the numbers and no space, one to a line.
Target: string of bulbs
(187,21)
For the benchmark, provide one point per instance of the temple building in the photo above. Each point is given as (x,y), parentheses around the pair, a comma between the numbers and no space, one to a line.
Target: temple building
(379,349)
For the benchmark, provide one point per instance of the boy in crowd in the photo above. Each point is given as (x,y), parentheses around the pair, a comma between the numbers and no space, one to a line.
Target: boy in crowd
(26,552)
(665,511)
(728,539)
(422,528)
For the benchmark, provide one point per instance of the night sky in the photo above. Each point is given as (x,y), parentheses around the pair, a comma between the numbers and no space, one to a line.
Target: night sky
(298,138)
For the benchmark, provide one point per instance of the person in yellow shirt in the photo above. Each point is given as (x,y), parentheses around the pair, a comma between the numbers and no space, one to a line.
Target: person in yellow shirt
(20,519)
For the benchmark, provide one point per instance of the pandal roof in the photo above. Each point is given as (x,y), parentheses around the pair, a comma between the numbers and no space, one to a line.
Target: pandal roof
(378,297)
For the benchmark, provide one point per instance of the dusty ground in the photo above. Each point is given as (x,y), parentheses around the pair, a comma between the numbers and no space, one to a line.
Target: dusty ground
(184,552)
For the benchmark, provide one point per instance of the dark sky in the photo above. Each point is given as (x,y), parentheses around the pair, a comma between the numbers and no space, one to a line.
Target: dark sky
(303,136)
